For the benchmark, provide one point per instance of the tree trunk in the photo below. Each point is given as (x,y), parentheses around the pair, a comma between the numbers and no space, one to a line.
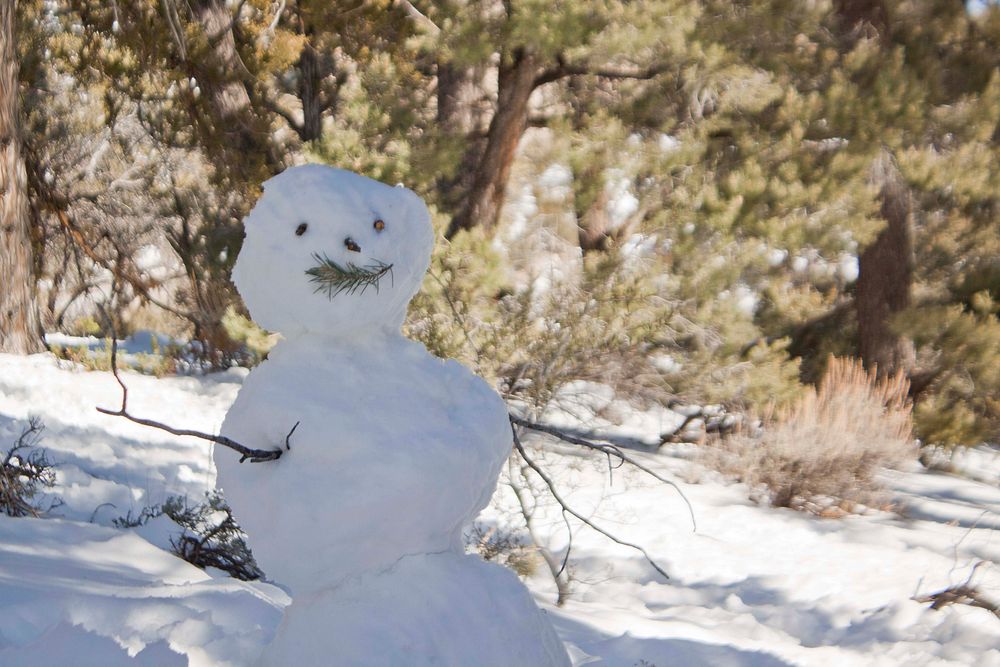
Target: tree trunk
(243,132)
(885,277)
(863,18)
(459,109)
(594,224)
(482,207)
(19,325)
(885,268)
(310,79)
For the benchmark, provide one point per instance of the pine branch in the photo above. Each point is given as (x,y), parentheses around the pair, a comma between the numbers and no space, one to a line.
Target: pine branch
(333,279)
(564,69)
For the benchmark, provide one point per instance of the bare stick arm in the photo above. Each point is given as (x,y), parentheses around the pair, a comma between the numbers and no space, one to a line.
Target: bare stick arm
(247,453)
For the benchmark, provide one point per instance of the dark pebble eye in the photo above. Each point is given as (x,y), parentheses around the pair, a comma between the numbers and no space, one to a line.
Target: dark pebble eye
(351,245)
(301,229)
(379,225)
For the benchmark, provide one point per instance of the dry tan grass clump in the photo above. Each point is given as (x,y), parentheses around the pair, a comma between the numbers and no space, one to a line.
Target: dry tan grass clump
(825,449)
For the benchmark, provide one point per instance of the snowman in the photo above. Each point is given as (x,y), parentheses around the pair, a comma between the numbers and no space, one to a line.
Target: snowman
(393,451)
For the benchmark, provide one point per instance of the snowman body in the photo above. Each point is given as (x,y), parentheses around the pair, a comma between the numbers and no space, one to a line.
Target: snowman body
(394,453)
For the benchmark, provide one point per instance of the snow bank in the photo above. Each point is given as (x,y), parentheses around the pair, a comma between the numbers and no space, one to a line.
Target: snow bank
(78,594)
(754,585)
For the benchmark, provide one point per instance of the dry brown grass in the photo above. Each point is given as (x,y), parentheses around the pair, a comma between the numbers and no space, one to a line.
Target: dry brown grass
(823,451)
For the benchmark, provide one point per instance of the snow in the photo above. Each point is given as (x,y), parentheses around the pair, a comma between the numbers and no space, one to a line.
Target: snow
(753,586)
(75,589)
(622,203)
(847,268)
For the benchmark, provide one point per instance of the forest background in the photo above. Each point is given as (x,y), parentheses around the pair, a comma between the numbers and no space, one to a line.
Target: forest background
(688,202)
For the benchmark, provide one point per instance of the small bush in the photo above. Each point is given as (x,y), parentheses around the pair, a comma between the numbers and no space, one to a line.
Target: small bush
(159,361)
(211,536)
(24,473)
(504,548)
(825,447)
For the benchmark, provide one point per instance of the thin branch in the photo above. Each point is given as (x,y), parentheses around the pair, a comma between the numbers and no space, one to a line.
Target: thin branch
(609,450)
(963,593)
(564,69)
(247,453)
(418,17)
(221,32)
(557,569)
(173,19)
(268,34)
(289,117)
(567,509)
(58,205)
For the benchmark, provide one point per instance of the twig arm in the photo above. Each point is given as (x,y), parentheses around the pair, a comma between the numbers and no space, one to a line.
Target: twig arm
(247,453)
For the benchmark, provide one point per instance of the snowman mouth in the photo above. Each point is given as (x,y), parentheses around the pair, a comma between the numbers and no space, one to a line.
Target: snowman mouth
(333,278)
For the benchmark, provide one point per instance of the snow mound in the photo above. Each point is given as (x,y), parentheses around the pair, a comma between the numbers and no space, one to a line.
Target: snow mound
(78,594)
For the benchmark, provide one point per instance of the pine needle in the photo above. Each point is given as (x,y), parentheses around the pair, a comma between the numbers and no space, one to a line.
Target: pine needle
(333,278)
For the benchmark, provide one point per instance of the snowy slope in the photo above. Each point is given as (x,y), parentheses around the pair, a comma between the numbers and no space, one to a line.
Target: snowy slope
(753,585)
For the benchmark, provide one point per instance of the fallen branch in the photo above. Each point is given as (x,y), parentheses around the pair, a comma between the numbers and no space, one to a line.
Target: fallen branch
(964,593)
(247,453)
(608,450)
(569,510)
(960,594)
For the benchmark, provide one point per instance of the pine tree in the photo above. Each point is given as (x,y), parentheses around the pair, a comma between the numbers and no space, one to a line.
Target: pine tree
(534,45)
(874,144)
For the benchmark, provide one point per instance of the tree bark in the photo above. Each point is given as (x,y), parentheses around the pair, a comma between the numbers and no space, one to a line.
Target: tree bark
(885,277)
(310,80)
(863,18)
(516,80)
(885,268)
(594,225)
(19,325)
(459,109)
(221,74)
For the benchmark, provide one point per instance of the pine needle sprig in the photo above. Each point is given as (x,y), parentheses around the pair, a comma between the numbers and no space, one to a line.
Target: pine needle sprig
(333,278)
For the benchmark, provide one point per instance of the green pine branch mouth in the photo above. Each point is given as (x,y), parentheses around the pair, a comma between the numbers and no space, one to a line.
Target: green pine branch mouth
(332,278)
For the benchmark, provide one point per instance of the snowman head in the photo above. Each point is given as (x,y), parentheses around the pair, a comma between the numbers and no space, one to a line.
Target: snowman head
(330,251)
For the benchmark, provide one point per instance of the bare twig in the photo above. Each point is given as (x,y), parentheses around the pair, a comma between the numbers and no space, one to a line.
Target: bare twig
(564,69)
(247,453)
(556,568)
(24,471)
(418,17)
(268,34)
(963,593)
(569,510)
(174,21)
(610,451)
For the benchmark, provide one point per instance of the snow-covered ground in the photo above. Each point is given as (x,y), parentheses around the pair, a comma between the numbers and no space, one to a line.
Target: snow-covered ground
(751,586)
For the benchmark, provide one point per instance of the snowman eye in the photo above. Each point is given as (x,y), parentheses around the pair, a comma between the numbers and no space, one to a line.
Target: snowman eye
(379,225)
(301,229)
